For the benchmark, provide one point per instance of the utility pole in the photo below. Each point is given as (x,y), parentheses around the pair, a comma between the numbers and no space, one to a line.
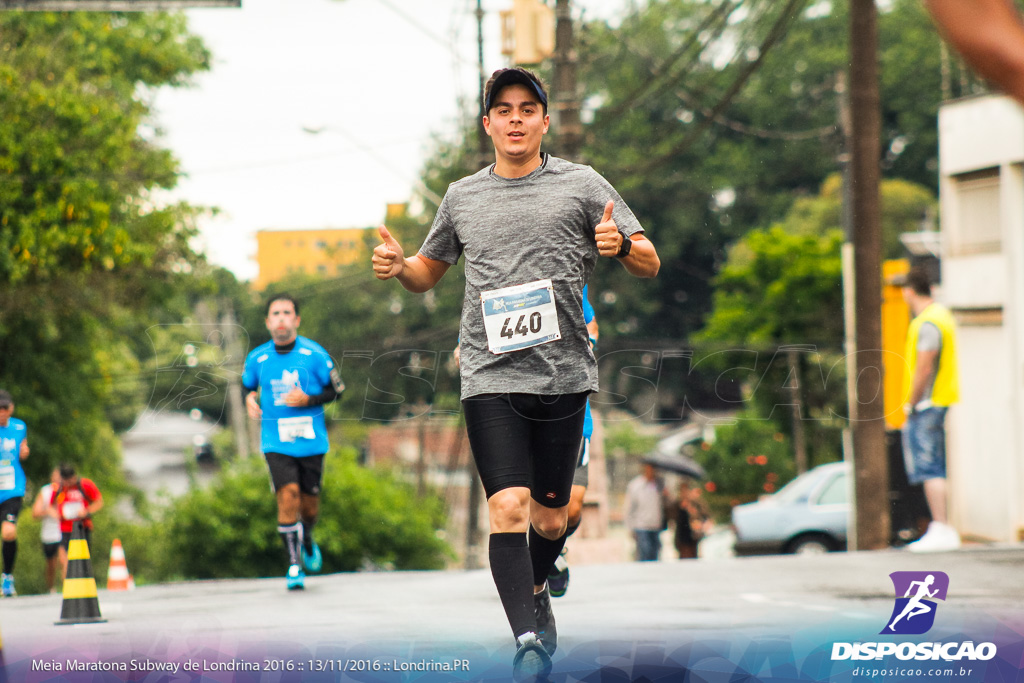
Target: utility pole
(799,433)
(472,560)
(481,134)
(236,404)
(871,475)
(566,100)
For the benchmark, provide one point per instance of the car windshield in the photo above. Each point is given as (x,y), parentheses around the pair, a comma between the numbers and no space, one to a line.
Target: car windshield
(798,489)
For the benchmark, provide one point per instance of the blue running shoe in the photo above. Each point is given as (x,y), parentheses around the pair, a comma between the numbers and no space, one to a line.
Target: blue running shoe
(312,561)
(7,586)
(296,578)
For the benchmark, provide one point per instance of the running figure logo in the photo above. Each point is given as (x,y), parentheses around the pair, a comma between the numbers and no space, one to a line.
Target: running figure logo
(914,612)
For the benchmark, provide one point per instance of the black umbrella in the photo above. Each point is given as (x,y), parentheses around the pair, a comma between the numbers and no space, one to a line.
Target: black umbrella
(675,462)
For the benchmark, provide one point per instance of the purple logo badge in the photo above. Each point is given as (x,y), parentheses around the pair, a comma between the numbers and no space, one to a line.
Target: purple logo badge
(916,593)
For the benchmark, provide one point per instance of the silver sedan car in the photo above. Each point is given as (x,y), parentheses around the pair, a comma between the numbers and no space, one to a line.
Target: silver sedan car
(808,515)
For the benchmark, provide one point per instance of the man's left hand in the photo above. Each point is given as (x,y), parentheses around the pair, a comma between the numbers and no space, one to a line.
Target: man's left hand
(296,398)
(607,234)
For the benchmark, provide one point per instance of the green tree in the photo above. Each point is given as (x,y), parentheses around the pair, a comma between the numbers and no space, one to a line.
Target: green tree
(84,247)
(700,169)
(783,289)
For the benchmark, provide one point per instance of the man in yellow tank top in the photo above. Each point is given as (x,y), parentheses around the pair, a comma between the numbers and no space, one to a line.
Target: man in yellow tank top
(930,387)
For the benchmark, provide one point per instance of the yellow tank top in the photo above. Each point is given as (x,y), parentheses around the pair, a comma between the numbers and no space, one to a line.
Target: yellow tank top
(946,389)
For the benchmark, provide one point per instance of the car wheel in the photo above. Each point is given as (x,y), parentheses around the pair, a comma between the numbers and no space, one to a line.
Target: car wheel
(811,545)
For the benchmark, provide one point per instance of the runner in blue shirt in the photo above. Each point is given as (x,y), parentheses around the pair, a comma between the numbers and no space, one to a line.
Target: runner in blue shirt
(13,449)
(558,577)
(289,379)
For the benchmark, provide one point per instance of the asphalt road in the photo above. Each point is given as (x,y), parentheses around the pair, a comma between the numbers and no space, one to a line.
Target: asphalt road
(733,619)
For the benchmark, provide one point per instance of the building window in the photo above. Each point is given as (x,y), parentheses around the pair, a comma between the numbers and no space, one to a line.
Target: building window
(978,222)
(322,269)
(287,243)
(320,244)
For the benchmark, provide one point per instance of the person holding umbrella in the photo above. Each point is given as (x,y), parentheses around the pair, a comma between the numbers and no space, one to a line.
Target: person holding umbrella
(691,518)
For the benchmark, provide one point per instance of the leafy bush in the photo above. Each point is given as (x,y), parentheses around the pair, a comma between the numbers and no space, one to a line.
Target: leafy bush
(748,458)
(367,518)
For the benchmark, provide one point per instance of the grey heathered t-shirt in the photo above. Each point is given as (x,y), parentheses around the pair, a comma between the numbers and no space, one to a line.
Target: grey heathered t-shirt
(929,338)
(519,230)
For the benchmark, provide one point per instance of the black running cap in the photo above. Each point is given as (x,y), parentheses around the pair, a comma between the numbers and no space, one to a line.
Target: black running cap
(505,77)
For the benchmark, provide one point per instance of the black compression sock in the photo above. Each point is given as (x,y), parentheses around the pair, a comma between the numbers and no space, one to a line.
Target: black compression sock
(307,536)
(10,549)
(543,553)
(291,535)
(510,567)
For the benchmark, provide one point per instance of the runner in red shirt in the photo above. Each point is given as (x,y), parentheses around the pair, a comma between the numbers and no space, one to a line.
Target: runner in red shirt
(76,499)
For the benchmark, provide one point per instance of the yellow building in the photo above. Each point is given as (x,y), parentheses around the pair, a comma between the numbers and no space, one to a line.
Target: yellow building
(280,253)
(324,252)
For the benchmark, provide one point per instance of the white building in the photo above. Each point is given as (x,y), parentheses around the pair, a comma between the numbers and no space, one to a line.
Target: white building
(981,152)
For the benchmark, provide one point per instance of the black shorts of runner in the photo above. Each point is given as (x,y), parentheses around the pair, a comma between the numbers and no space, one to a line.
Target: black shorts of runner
(65,538)
(305,471)
(9,510)
(527,440)
(50,549)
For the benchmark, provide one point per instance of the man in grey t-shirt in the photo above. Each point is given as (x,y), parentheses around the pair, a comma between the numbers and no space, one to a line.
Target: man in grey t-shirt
(531,227)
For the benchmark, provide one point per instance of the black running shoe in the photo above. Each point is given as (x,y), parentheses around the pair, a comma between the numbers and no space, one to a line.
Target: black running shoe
(531,663)
(546,631)
(558,577)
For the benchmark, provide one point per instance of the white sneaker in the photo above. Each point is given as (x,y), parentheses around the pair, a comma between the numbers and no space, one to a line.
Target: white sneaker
(939,538)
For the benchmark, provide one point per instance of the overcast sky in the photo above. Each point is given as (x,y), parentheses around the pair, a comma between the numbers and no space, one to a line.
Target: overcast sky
(377,78)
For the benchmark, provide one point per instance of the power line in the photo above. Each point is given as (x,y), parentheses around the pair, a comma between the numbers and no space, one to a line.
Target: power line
(667,70)
(754,131)
(778,30)
(425,31)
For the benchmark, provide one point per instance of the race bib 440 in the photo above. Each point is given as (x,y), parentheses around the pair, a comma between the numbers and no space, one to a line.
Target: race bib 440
(520,317)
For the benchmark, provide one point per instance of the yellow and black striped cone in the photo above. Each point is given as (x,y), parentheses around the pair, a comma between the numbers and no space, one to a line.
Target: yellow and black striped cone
(81,606)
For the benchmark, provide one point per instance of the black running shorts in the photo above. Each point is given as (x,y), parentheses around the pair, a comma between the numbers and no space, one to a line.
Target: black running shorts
(305,471)
(50,549)
(527,440)
(9,509)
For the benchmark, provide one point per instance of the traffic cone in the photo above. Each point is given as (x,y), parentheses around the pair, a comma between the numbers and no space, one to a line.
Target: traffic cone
(81,606)
(117,572)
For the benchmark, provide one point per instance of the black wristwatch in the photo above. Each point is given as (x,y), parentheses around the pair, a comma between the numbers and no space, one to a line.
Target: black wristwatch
(626,245)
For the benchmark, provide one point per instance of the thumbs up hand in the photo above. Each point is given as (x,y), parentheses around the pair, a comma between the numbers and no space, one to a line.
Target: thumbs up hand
(388,257)
(607,234)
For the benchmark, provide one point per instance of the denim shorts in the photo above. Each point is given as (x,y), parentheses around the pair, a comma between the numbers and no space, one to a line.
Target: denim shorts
(924,445)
